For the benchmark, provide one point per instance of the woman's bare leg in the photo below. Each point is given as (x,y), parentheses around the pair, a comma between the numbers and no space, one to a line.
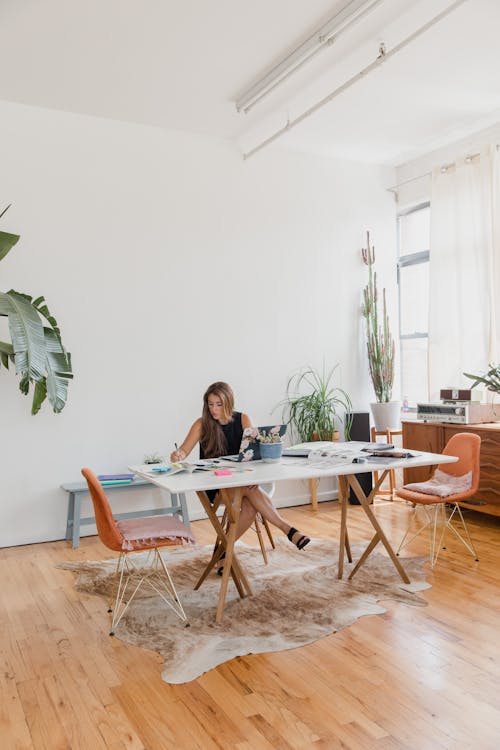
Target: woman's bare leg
(262,504)
(247,517)
(256,501)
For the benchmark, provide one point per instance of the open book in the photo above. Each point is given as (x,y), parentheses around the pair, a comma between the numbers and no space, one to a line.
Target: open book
(176,468)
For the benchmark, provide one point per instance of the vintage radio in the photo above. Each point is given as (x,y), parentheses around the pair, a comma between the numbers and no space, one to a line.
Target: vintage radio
(458,413)
(461,394)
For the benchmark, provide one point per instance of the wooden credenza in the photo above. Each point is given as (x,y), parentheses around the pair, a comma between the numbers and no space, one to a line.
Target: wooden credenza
(432,437)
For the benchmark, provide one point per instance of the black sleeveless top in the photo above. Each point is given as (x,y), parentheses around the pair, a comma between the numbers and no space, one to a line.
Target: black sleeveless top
(233,433)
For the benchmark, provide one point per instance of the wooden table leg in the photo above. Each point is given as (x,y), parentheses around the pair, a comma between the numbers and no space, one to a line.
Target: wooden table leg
(379,534)
(225,542)
(220,547)
(313,490)
(344,546)
(230,540)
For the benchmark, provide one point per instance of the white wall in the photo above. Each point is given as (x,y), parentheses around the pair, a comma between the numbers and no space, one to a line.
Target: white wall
(169,263)
(415,176)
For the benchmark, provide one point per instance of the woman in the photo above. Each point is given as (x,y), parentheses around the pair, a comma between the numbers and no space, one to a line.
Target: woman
(219,431)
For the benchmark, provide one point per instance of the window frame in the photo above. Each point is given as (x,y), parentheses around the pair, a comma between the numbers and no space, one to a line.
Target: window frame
(406,261)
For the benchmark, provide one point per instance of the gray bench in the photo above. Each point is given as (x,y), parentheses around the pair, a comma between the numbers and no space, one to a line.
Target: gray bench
(77,489)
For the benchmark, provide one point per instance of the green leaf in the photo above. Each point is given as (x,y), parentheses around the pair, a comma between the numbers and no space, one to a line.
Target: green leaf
(26,332)
(7,242)
(38,353)
(43,310)
(36,350)
(6,354)
(320,409)
(39,395)
(58,371)
(490,379)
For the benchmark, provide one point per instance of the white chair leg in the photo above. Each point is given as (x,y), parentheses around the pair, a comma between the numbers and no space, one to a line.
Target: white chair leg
(439,512)
(466,542)
(404,541)
(170,595)
(155,573)
(126,575)
(440,522)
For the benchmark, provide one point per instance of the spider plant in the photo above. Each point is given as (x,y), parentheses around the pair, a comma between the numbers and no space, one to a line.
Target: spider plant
(36,350)
(314,406)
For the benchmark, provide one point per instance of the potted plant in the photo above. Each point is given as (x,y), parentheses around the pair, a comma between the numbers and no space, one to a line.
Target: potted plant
(271,444)
(36,349)
(154,458)
(315,407)
(380,348)
(490,379)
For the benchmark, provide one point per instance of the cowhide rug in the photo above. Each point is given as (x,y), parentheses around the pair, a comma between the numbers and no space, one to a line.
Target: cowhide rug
(297,599)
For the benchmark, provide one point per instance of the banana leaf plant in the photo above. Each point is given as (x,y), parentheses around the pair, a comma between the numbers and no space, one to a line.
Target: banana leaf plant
(36,351)
(490,379)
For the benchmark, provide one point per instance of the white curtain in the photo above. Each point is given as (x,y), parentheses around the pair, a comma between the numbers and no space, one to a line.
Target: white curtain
(464,283)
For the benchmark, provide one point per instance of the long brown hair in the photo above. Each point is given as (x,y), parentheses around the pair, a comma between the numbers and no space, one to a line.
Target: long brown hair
(212,438)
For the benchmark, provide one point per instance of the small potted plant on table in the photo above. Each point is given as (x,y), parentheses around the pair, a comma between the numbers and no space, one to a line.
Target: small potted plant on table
(271,445)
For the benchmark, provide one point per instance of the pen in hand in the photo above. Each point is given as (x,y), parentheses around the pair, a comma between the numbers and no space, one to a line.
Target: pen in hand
(175,456)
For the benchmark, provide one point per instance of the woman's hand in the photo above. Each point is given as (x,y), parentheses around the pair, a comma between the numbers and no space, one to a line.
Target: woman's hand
(177,456)
(193,436)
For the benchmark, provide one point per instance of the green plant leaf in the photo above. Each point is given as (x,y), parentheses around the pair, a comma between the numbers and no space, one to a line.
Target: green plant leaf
(36,350)
(39,395)
(38,353)
(7,242)
(6,354)
(26,332)
(58,365)
(320,409)
(490,379)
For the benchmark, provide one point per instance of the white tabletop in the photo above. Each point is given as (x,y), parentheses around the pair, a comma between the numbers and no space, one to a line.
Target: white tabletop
(288,468)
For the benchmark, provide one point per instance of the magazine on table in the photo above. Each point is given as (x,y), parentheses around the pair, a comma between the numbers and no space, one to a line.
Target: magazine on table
(178,467)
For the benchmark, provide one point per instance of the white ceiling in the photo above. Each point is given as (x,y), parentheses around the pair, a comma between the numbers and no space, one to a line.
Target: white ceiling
(181,64)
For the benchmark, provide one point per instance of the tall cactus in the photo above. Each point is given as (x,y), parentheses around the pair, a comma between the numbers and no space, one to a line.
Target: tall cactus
(380,344)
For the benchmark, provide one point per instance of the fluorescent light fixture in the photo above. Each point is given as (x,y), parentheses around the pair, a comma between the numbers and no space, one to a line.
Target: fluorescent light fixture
(323,37)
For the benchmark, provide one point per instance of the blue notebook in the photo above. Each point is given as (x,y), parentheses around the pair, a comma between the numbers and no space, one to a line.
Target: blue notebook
(115,477)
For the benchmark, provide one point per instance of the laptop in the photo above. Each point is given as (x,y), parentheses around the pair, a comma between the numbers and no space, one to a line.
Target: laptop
(250,446)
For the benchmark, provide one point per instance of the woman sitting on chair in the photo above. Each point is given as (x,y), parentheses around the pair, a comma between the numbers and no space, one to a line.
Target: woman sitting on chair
(219,432)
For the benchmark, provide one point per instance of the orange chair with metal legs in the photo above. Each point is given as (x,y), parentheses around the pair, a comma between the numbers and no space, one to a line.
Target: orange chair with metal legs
(145,534)
(467,447)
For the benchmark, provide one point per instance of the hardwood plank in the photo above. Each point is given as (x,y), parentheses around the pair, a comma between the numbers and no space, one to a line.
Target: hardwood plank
(416,678)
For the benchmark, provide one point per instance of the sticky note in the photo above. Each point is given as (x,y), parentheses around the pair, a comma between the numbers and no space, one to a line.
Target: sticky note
(222,472)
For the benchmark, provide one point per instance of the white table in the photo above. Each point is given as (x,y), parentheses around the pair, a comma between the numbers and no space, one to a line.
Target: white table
(258,472)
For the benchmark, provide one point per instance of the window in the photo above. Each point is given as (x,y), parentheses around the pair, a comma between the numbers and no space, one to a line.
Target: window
(413,284)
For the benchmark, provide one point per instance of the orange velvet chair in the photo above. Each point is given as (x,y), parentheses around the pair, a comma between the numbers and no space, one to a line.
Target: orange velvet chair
(132,535)
(467,447)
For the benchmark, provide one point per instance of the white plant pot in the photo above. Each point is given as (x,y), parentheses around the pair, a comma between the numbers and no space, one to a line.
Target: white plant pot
(386,416)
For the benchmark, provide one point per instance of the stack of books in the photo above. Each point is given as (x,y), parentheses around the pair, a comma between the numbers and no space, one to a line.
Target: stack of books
(107,480)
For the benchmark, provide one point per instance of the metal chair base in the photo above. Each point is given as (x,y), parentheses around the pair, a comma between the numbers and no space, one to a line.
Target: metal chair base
(440,522)
(129,578)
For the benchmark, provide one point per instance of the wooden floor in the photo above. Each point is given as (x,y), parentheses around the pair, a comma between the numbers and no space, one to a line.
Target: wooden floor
(418,678)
